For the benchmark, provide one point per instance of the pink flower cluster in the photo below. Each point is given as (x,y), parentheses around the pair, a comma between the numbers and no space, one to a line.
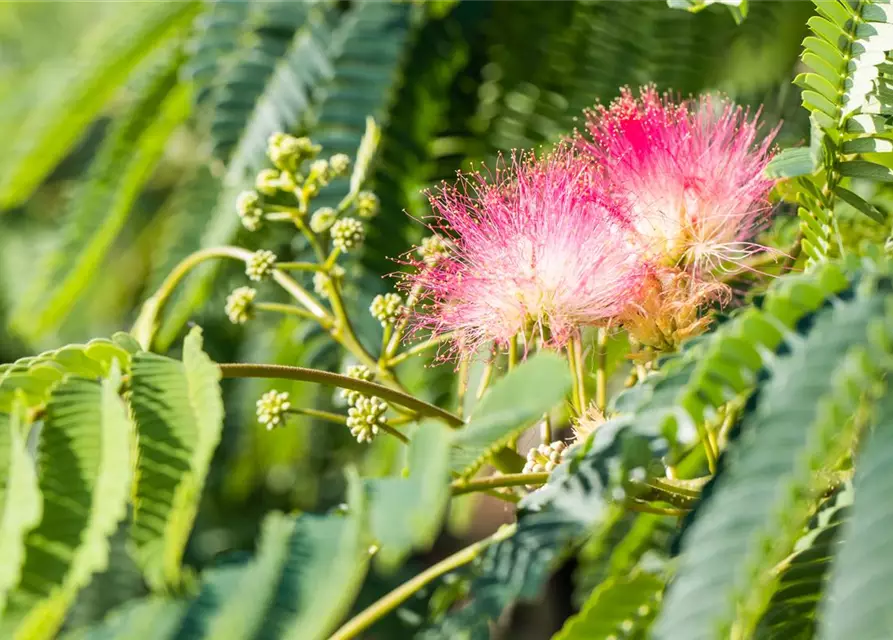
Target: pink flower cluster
(627,225)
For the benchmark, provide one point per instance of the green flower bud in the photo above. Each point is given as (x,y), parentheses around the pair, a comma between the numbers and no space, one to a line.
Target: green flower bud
(544,458)
(360,372)
(240,305)
(319,172)
(387,308)
(260,265)
(338,165)
(365,418)
(288,152)
(432,250)
(267,182)
(321,280)
(272,408)
(323,219)
(367,204)
(249,209)
(348,234)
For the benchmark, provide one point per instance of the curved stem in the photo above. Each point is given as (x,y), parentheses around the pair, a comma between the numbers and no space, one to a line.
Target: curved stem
(299,266)
(306,300)
(328,416)
(302,374)
(601,371)
(287,309)
(392,431)
(419,348)
(369,616)
(146,323)
(492,482)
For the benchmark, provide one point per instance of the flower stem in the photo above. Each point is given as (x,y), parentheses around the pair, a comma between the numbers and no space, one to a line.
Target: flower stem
(546,431)
(239,370)
(513,353)
(366,618)
(391,350)
(419,348)
(328,416)
(392,431)
(287,309)
(462,388)
(299,266)
(485,380)
(492,482)
(146,324)
(574,358)
(601,371)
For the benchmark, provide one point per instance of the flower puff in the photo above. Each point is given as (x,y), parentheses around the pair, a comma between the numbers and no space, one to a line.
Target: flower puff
(535,251)
(691,173)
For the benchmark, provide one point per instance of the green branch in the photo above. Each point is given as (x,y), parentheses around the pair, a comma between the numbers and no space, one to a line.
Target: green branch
(302,374)
(377,610)
(493,482)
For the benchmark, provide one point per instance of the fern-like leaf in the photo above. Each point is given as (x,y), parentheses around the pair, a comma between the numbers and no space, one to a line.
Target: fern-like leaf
(808,413)
(179,415)
(84,476)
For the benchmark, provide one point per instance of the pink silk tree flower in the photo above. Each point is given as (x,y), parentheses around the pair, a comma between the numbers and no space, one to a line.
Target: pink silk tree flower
(536,251)
(691,173)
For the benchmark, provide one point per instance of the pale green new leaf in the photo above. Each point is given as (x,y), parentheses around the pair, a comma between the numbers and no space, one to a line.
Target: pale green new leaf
(513,404)
(179,415)
(620,607)
(84,452)
(857,603)
(407,513)
(20,500)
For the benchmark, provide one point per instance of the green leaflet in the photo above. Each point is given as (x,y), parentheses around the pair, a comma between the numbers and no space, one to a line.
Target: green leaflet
(803,577)
(51,128)
(809,411)
(152,618)
(513,404)
(100,207)
(303,578)
(856,603)
(20,499)
(36,376)
(179,415)
(84,475)
(619,607)
(407,513)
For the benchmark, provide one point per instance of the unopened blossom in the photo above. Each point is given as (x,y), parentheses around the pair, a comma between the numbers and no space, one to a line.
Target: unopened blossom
(365,417)
(433,249)
(249,210)
(260,265)
(367,204)
(272,408)
(323,219)
(338,165)
(267,182)
(544,458)
(692,174)
(240,305)
(387,308)
(535,251)
(360,372)
(347,234)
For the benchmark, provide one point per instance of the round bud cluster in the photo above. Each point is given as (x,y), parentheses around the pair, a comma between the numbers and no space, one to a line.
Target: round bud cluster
(338,165)
(323,219)
(365,417)
(367,204)
(545,457)
(319,173)
(267,182)
(387,308)
(360,372)
(240,305)
(432,250)
(260,265)
(249,209)
(272,408)
(288,152)
(322,280)
(347,234)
